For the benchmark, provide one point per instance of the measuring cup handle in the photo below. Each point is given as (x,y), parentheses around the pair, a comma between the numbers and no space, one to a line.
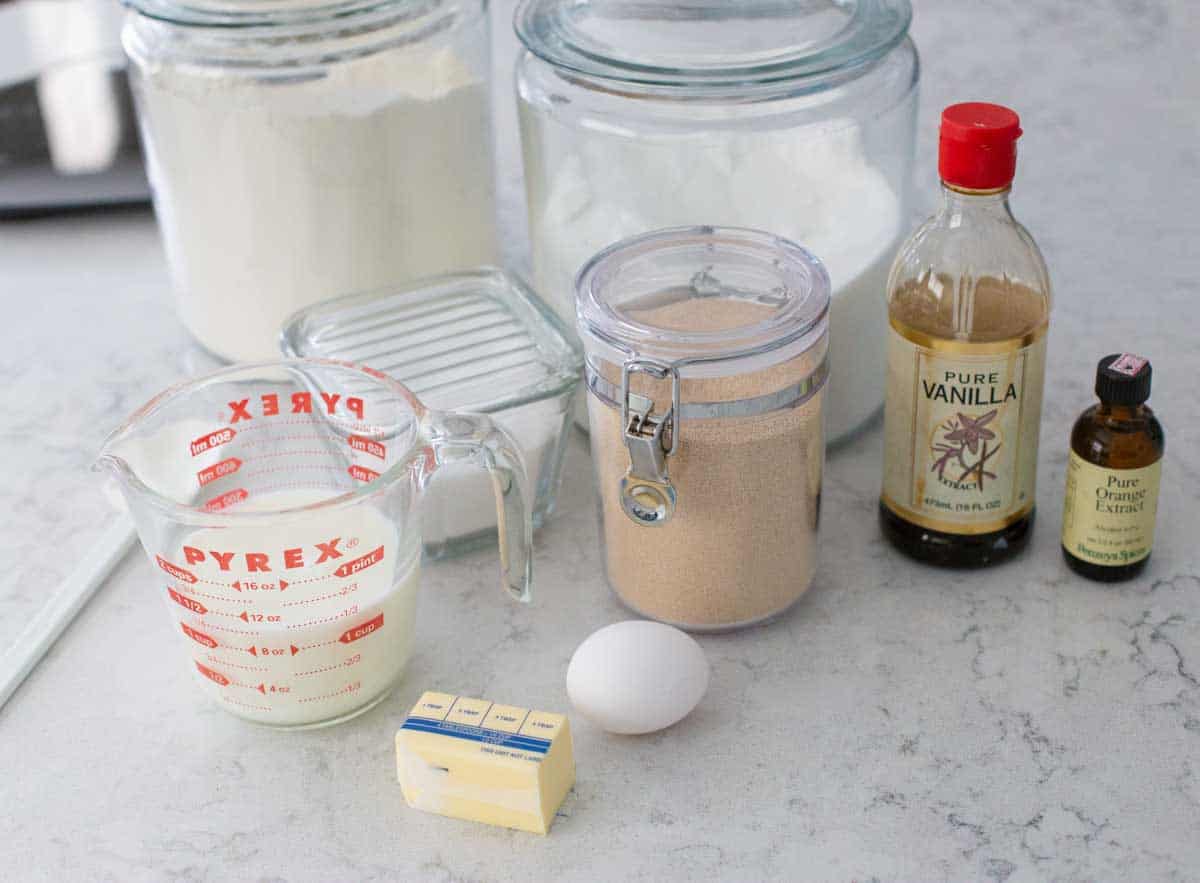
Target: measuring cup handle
(474,438)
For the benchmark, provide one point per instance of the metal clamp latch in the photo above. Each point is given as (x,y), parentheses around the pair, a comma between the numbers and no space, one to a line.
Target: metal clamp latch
(647,495)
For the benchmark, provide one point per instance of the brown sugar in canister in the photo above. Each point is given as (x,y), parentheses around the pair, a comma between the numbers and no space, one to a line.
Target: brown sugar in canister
(741,544)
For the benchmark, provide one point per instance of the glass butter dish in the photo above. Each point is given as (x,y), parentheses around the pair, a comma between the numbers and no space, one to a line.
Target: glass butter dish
(476,341)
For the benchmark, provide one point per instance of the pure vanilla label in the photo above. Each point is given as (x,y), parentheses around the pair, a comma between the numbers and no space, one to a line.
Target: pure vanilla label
(1108,514)
(961,430)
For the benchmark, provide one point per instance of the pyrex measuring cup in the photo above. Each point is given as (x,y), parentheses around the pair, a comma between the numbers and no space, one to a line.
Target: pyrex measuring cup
(277,504)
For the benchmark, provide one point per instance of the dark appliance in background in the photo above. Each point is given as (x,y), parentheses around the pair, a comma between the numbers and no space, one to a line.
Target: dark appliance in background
(68,138)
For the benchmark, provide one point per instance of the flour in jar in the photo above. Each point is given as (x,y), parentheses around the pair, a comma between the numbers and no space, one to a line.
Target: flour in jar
(299,621)
(277,190)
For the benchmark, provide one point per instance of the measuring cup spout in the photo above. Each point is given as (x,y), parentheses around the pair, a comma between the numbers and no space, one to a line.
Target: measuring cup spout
(474,438)
(122,479)
(127,457)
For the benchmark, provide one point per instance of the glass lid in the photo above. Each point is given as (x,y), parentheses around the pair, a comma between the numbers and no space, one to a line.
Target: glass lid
(713,42)
(472,341)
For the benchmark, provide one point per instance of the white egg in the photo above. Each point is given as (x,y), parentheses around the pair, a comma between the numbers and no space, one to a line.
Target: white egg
(637,677)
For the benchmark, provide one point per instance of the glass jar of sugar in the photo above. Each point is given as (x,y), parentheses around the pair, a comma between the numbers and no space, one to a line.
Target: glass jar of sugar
(794,116)
(706,359)
(300,149)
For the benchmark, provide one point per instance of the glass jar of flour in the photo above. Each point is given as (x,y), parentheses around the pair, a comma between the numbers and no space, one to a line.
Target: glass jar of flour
(706,358)
(793,116)
(300,149)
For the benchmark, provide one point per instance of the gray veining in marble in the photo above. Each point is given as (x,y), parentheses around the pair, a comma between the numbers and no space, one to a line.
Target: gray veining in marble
(901,724)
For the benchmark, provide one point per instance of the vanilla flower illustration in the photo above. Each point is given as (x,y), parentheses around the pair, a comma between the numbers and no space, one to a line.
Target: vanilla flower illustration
(963,435)
(971,431)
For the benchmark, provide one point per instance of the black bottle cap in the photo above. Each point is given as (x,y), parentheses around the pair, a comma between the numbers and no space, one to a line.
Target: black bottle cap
(1123,379)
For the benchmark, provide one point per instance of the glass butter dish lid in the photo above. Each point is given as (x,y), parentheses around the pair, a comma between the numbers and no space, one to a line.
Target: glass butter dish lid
(476,341)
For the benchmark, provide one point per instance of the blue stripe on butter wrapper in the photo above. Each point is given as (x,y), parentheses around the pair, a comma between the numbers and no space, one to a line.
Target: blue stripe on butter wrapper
(476,734)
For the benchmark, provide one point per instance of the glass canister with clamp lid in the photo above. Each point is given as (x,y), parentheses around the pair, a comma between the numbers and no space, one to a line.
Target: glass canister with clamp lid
(706,359)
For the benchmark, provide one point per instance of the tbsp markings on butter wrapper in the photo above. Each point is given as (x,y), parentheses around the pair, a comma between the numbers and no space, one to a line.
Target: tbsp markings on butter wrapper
(476,759)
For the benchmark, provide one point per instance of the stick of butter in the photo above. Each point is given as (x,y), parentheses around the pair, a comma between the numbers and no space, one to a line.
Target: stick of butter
(475,759)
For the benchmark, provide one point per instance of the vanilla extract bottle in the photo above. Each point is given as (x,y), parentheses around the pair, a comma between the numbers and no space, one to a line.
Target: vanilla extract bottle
(969,307)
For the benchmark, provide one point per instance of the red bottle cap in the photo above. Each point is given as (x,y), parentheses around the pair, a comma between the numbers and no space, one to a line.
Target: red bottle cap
(977,149)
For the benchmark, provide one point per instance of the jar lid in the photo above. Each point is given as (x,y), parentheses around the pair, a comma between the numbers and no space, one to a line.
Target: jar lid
(712,301)
(710,42)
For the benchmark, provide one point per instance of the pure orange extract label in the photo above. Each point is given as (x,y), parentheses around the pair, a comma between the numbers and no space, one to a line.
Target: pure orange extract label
(1108,514)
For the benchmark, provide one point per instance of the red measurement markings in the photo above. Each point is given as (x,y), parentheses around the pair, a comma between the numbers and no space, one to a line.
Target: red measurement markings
(227,499)
(248,586)
(362,563)
(214,676)
(362,630)
(220,661)
(349,688)
(353,660)
(368,446)
(190,603)
(274,440)
(226,681)
(199,637)
(311,579)
(214,439)
(261,687)
(362,473)
(212,597)
(175,571)
(199,609)
(224,628)
(268,651)
(218,470)
(350,611)
(296,649)
(346,590)
(247,616)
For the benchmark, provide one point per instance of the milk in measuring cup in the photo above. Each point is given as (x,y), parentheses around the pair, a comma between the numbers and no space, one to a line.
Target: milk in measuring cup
(300,622)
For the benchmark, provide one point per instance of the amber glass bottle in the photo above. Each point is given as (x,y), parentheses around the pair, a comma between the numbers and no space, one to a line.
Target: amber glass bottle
(969,306)
(1112,475)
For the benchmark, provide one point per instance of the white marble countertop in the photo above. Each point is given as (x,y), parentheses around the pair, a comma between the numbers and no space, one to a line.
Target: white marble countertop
(902,723)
